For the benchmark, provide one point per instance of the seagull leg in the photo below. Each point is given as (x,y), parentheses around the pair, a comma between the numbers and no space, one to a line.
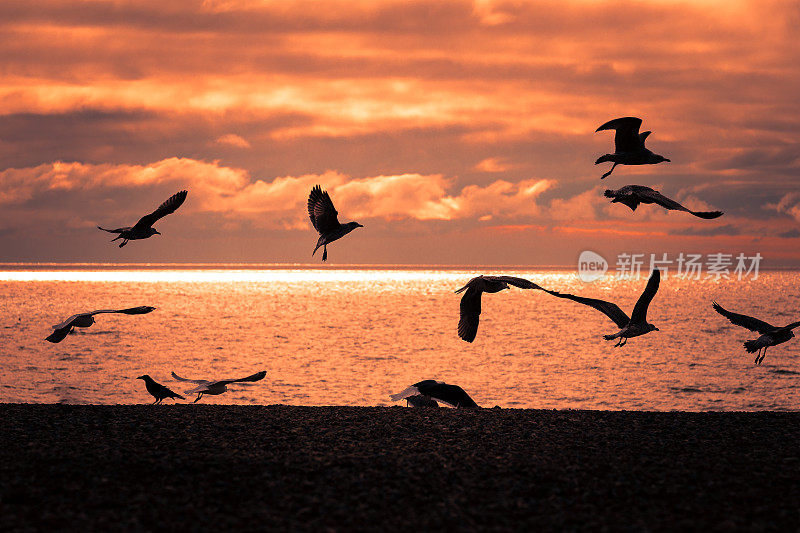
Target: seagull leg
(624,341)
(199,395)
(758,354)
(609,172)
(761,360)
(325,253)
(155,402)
(123,243)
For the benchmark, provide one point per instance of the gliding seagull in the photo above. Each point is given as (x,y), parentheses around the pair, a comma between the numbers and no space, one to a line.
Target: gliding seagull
(144,228)
(471,301)
(770,335)
(325,220)
(628,145)
(84,320)
(452,395)
(633,195)
(205,386)
(629,327)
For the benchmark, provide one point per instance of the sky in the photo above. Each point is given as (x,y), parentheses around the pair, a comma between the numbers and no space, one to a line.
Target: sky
(456,132)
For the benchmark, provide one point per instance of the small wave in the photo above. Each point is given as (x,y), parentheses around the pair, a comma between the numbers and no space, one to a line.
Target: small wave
(686,389)
(786,372)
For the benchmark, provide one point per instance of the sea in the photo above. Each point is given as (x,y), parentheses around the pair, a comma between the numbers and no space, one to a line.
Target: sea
(352,335)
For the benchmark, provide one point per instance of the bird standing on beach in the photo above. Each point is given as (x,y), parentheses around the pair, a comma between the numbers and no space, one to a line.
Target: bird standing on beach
(770,335)
(634,326)
(144,228)
(633,195)
(452,395)
(325,220)
(628,145)
(205,386)
(471,301)
(84,320)
(159,391)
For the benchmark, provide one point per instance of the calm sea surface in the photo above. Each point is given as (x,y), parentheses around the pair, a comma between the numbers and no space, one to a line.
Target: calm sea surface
(352,336)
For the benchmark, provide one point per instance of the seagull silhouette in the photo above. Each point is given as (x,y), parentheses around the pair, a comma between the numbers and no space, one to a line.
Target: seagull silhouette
(144,228)
(324,219)
(471,301)
(84,320)
(770,335)
(205,386)
(633,195)
(629,327)
(452,395)
(628,145)
(420,400)
(159,391)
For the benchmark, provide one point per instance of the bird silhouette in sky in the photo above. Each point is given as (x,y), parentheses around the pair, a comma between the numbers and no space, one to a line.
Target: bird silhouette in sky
(144,228)
(471,301)
(325,220)
(770,335)
(628,145)
(633,195)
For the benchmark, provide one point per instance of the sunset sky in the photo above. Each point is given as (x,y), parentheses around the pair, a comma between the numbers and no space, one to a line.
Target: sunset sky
(457,132)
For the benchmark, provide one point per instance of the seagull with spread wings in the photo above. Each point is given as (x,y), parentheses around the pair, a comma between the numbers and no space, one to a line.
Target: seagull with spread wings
(205,386)
(84,320)
(325,220)
(628,145)
(159,391)
(633,195)
(770,335)
(634,326)
(439,391)
(471,301)
(144,228)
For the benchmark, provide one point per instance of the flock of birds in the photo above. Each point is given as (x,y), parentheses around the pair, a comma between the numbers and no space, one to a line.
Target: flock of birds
(629,150)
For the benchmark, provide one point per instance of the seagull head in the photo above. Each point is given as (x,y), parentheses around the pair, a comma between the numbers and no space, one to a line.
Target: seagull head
(655,158)
(651,327)
(144,377)
(154,231)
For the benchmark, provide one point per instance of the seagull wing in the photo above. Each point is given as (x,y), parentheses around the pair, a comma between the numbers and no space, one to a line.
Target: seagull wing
(59,334)
(258,376)
(639,313)
(169,206)
(141,310)
(522,283)
(321,211)
(470,313)
(450,394)
(753,324)
(627,137)
(198,381)
(609,309)
(68,322)
(668,203)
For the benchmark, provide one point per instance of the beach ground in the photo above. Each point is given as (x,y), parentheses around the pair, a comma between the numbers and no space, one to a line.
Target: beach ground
(198,467)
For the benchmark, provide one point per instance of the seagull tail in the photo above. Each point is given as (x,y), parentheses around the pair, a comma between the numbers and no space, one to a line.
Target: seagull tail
(411,391)
(603,159)
(707,214)
(754,345)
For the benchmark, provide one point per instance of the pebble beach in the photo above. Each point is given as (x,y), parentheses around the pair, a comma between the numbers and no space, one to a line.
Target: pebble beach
(198,467)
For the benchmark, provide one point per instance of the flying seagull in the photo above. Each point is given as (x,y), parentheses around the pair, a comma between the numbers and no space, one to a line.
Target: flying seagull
(144,228)
(471,301)
(629,327)
(628,145)
(84,320)
(633,195)
(452,395)
(324,219)
(159,391)
(205,386)
(770,335)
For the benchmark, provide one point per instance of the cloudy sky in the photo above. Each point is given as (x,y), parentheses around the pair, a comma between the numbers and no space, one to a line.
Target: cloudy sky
(457,132)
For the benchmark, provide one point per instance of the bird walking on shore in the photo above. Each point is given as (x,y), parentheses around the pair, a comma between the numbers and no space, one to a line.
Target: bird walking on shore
(144,228)
(633,195)
(770,335)
(634,326)
(451,395)
(213,388)
(324,218)
(628,145)
(84,320)
(471,301)
(159,391)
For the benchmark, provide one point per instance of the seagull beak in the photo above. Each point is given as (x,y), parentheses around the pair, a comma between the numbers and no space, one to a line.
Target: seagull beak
(158,233)
(667,161)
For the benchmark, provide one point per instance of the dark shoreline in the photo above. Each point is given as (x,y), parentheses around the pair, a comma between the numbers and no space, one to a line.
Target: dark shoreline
(198,467)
